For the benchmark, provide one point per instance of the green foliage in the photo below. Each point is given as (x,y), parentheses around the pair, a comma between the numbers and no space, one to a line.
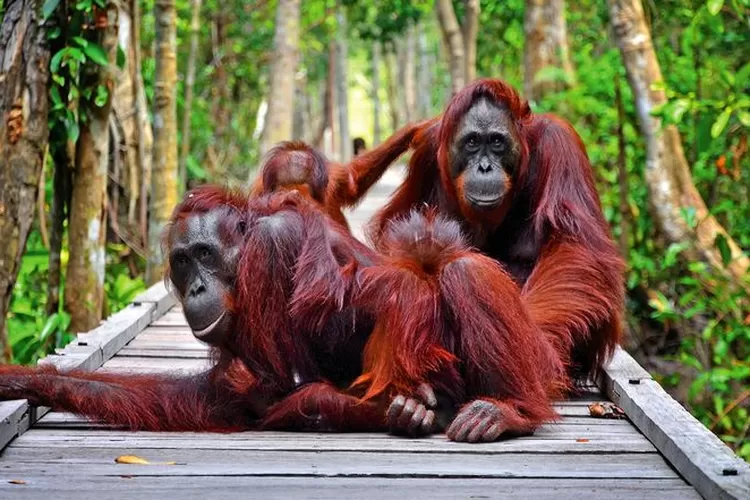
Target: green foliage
(32,333)
(679,309)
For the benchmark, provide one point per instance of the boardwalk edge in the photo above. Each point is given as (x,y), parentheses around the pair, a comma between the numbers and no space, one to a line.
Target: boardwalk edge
(705,462)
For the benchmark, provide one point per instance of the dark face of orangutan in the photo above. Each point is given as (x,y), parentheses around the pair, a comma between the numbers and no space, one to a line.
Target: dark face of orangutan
(485,155)
(203,256)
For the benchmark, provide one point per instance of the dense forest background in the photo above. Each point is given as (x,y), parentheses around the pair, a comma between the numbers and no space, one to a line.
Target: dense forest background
(112,109)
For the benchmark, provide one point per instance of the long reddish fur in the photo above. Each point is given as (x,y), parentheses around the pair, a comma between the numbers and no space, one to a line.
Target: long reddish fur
(553,238)
(453,318)
(332,186)
(255,366)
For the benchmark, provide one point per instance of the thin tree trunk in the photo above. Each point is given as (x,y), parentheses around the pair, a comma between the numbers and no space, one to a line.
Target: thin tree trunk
(342,87)
(546,46)
(216,152)
(300,124)
(470,30)
(407,74)
(671,188)
(622,171)
(424,77)
(189,83)
(62,186)
(84,290)
(376,50)
(143,133)
(281,82)
(24,60)
(128,116)
(391,91)
(454,42)
(164,193)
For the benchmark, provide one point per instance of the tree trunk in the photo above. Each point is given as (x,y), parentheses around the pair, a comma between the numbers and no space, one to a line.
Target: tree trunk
(189,83)
(144,142)
(470,30)
(671,188)
(391,90)
(622,171)
(281,81)
(424,77)
(342,87)
(546,46)
(454,42)
(84,289)
(300,129)
(130,117)
(164,193)
(407,74)
(24,56)
(376,49)
(217,152)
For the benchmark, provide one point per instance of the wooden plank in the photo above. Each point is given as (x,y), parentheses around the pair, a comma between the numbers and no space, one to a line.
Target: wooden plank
(158,295)
(277,488)
(705,462)
(100,462)
(88,352)
(128,352)
(182,366)
(545,442)
(113,334)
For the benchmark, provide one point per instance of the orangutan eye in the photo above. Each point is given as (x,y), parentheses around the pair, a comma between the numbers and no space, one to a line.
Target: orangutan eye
(242,227)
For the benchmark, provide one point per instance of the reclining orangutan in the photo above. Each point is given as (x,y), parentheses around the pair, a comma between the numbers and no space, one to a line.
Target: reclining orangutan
(226,262)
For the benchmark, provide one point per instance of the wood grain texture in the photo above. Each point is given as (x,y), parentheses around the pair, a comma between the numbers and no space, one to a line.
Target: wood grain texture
(699,455)
(333,488)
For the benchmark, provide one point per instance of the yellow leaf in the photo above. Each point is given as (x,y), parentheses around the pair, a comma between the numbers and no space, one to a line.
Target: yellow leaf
(134,460)
(131,459)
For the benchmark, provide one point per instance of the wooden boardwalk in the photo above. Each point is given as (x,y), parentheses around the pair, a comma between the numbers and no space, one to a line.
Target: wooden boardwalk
(62,456)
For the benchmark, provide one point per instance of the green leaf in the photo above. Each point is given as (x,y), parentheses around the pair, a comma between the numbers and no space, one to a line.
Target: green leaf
(49,327)
(96,53)
(121,57)
(723,245)
(721,122)
(54,33)
(54,64)
(101,95)
(688,215)
(744,117)
(679,108)
(82,42)
(48,8)
(714,6)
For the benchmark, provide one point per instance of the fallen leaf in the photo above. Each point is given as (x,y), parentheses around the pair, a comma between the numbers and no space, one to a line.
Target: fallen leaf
(606,410)
(596,410)
(131,459)
(17,481)
(135,460)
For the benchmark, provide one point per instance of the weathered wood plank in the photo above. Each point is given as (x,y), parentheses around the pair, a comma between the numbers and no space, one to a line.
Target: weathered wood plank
(181,366)
(88,352)
(196,353)
(545,442)
(276,488)
(100,462)
(707,463)
(158,295)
